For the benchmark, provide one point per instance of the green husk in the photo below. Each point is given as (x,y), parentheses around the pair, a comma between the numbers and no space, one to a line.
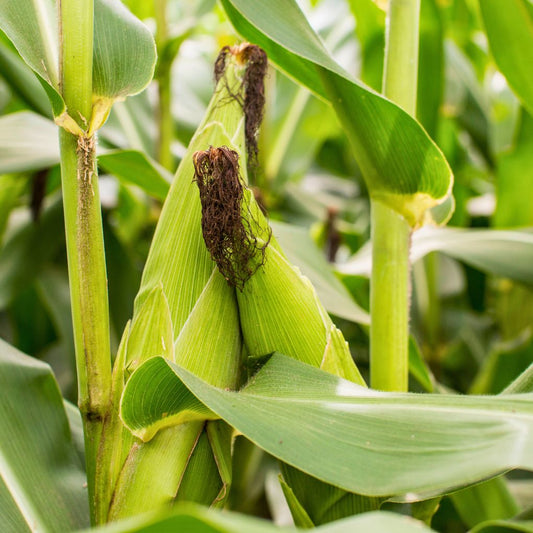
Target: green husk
(182,294)
(278,306)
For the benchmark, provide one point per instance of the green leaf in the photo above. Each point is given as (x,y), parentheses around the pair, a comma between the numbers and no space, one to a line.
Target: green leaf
(504,253)
(504,526)
(417,366)
(28,249)
(368,442)
(514,176)
(22,81)
(27,142)
(401,165)
(510,33)
(523,383)
(299,514)
(370,31)
(323,502)
(502,364)
(136,168)
(490,500)
(41,472)
(11,188)
(124,50)
(195,519)
(32,28)
(154,386)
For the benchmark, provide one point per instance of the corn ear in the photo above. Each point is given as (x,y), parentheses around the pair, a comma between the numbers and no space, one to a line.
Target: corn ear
(211,349)
(278,306)
(180,269)
(149,334)
(178,259)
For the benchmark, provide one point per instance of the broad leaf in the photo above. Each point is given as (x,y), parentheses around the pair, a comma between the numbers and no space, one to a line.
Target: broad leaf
(43,483)
(510,33)
(124,50)
(504,526)
(136,168)
(21,79)
(504,253)
(401,165)
(27,142)
(368,442)
(195,519)
(30,247)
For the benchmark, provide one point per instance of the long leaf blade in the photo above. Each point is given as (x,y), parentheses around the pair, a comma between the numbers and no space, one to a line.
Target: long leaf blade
(401,165)
(372,443)
(38,462)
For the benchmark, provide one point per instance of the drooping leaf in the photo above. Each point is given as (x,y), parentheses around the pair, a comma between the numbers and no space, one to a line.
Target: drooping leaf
(505,253)
(22,81)
(401,165)
(27,249)
(195,519)
(490,500)
(184,406)
(510,33)
(27,142)
(504,526)
(124,50)
(136,168)
(368,442)
(43,478)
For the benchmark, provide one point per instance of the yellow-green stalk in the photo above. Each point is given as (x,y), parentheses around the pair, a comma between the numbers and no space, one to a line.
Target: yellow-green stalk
(391,232)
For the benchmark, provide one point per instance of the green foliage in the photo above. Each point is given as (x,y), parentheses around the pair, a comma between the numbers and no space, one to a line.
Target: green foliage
(197,408)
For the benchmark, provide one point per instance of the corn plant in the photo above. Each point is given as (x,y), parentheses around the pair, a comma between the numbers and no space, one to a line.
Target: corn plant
(215,384)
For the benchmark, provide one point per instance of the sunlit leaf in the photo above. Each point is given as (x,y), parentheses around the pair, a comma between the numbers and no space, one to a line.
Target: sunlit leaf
(42,477)
(195,519)
(124,50)
(27,142)
(401,165)
(510,33)
(505,253)
(368,442)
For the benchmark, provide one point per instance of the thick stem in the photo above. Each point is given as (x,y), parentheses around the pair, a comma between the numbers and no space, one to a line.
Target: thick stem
(83,225)
(166,123)
(389,299)
(400,73)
